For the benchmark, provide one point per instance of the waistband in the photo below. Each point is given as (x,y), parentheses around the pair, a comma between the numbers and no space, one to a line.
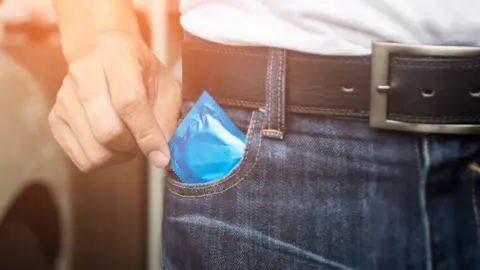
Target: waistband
(400,87)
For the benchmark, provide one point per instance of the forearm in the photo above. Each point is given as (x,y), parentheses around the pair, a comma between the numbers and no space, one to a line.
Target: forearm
(80,21)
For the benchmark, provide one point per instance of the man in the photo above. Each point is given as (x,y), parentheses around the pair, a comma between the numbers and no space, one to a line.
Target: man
(332,177)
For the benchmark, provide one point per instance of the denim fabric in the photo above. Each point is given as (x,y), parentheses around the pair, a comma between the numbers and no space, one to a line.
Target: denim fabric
(328,193)
(333,194)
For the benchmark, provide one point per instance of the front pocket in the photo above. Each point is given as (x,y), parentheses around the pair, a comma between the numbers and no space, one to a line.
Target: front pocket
(237,175)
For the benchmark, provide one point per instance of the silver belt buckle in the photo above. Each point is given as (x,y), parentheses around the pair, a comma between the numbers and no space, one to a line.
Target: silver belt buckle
(380,64)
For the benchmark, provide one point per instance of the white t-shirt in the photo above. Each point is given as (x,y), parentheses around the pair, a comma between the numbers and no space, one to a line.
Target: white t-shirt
(341,27)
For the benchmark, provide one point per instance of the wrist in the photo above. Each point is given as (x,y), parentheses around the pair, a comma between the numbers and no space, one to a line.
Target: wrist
(76,47)
(82,23)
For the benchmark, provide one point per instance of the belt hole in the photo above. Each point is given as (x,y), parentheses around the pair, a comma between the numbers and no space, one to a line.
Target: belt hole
(428,93)
(475,92)
(348,88)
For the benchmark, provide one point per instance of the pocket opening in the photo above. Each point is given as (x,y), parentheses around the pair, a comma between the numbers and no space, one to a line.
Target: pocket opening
(237,174)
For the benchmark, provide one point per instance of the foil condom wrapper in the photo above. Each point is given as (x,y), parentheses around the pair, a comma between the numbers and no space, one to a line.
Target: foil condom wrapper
(207,145)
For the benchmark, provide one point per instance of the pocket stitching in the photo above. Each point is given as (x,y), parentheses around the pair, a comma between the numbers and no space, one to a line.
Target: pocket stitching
(269,88)
(236,170)
(230,187)
(279,91)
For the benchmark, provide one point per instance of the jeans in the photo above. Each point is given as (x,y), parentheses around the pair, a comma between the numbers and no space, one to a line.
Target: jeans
(332,193)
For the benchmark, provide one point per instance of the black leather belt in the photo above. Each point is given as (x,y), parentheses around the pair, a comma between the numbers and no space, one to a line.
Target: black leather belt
(399,87)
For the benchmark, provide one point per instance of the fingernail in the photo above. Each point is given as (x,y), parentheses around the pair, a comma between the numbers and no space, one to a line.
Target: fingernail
(158,159)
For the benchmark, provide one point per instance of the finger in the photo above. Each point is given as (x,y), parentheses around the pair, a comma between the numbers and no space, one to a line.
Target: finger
(167,106)
(67,141)
(92,92)
(129,98)
(71,110)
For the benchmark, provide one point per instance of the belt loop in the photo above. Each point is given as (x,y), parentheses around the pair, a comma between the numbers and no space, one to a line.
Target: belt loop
(275,93)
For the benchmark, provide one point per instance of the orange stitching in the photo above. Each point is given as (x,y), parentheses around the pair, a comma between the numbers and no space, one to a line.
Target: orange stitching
(279,87)
(272,131)
(228,188)
(236,170)
(269,87)
(272,134)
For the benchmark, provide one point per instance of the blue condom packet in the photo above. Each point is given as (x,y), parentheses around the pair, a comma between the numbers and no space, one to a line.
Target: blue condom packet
(207,145)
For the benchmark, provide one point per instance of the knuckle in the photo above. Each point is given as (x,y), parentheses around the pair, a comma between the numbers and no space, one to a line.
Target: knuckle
(145,136)
(128,104)
(91,99)
(109,134)
(94,106)
(85,167)
(81,162)
(84,99)
(99,158)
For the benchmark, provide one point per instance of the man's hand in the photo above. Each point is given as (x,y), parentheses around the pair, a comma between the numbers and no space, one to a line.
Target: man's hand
(117,98)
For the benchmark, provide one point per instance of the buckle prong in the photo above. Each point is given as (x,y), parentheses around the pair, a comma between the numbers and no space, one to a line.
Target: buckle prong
(380,87)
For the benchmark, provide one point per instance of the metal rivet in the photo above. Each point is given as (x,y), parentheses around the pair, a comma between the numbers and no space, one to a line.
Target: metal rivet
(428,93)
(348,88)
(383,89)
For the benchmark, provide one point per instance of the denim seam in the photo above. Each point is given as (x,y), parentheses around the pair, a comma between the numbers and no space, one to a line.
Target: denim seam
(269,87)
(423,204)
(221,181)
(274,89)
(279,91)
(229,187)
(475,168)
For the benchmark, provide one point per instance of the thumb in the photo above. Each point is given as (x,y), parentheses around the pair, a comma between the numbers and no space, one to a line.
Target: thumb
(167,106)
(129,98)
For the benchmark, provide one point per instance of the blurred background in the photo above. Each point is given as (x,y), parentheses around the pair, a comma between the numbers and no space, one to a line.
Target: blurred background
(50,213)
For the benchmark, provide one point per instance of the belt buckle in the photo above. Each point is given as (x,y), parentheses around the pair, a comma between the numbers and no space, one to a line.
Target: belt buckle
(379,87)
